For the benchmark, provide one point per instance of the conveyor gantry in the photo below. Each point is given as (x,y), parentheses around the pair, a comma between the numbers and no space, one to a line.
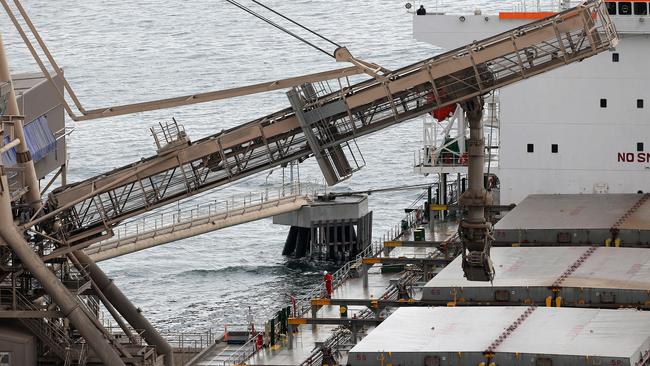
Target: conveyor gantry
(323,123)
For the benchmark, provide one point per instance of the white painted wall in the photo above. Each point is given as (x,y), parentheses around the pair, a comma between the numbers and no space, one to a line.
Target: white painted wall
(563,107)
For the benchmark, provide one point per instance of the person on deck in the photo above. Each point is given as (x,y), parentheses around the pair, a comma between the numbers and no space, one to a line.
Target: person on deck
(421,10)
(327,277)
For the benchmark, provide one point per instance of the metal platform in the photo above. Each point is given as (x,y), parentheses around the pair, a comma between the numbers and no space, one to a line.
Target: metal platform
(606,277)
(171,225)
(576,219)
(548,336)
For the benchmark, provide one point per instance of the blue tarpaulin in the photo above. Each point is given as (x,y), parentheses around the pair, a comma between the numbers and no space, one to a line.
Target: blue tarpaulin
(39,138)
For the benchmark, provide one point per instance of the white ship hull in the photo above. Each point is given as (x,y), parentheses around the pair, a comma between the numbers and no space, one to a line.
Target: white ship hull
(600,149)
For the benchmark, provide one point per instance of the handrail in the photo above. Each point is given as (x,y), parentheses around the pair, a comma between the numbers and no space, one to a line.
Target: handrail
(234,205)
(244,352)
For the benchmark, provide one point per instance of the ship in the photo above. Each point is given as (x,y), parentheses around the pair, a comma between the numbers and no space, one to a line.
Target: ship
(529,250)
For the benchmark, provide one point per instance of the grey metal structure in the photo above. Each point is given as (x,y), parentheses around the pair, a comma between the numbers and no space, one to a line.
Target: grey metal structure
(330,228)
(38,99)
(607,277)
(575,219)
(446,336)
(87,211)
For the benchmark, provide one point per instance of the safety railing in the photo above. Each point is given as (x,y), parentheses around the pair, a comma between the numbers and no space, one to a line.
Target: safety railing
(244,352)
(190,340)
(48,332)
(235,205)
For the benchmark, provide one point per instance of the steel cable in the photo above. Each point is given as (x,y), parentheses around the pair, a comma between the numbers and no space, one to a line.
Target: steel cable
(253,13)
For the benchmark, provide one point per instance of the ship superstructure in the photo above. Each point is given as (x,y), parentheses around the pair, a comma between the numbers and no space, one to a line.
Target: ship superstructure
(581,129)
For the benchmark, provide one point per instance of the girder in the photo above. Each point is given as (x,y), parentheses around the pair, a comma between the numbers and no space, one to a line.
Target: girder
(324,121)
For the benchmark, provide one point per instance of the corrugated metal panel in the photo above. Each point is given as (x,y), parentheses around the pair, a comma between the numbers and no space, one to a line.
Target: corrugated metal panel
(5,88)
(9,157)
(40,141)
(460,335)
(607,276)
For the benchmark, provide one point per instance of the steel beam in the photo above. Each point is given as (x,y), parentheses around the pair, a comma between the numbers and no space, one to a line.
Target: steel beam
(435,262)
(26,314)
(336,321)
(66,301)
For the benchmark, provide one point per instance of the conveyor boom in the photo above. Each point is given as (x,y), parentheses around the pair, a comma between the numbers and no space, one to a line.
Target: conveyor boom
(322,121)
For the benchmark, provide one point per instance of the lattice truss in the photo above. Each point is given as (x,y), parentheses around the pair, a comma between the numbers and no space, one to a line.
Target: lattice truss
(325,122)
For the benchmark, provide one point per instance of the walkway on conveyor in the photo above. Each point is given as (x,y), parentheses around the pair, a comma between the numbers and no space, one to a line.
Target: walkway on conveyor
(169,226)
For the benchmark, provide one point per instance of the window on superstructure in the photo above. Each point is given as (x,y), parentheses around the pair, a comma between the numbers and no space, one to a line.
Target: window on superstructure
(624,8)
(603,103)
(530,148)
(639,103)
(639,146)
(611,7)
(615,57)
(554,148)
(640,8)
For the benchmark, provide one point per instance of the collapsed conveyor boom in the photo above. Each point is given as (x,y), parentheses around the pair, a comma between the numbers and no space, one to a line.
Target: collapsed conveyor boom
(322,121)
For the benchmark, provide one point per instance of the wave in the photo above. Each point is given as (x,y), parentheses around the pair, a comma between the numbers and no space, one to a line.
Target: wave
(238,269)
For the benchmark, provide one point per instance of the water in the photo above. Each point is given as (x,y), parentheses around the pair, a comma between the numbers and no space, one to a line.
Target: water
(124,52)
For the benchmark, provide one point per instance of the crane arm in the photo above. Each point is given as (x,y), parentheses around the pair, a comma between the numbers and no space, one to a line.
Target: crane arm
(214,95)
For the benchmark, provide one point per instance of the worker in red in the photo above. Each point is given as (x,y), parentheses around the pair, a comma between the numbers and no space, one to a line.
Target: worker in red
(328,284)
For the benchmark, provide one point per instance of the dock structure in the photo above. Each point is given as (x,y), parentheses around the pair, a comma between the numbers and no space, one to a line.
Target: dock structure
(577,219)
(506,336)
(328,228)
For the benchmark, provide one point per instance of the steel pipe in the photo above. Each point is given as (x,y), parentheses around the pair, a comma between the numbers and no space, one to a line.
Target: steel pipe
(128,311)
(68,304)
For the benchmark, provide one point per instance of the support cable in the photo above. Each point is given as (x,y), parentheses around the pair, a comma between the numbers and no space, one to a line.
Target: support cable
(296,23)
(259,16)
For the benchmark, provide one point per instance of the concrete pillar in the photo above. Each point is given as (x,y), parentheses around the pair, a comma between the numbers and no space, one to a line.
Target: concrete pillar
(290,242)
